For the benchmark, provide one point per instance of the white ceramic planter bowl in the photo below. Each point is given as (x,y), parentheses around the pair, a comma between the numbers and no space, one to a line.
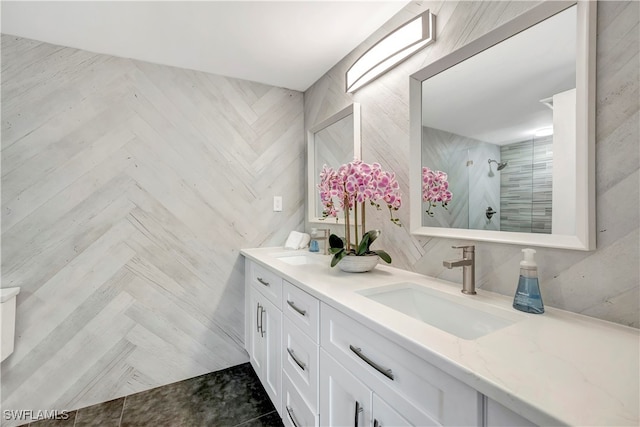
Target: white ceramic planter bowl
(358,264)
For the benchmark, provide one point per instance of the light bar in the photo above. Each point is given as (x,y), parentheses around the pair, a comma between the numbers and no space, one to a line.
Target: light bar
(397,46)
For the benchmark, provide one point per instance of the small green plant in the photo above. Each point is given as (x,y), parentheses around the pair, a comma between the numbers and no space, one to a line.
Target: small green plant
(339,251)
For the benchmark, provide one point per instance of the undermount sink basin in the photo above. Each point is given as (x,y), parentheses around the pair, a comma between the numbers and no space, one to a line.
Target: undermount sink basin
(300,258)
(459,316)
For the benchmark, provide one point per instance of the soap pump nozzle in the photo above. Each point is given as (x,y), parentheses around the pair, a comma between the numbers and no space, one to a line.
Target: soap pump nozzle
(528,260)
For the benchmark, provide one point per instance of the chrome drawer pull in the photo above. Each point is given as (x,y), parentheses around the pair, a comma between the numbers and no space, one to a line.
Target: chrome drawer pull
(258,318)
(261,280)
(295,359)
(291,416)
(358,410)
(262,331)
(386,372)
(299,310)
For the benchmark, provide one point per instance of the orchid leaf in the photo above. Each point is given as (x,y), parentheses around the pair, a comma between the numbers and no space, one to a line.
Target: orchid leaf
(367,240)
(337,257)
(336,242)
(373,235)
(385,256)
(363,247)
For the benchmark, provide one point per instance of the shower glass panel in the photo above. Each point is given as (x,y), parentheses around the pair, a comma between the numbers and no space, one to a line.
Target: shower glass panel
(453,161)
(473,181)
(484,187)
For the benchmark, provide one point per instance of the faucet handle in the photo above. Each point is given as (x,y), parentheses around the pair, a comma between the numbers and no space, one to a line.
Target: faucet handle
(325,232)
(470,248)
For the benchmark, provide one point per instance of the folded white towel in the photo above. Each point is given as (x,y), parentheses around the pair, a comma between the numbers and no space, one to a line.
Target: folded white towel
(297,240)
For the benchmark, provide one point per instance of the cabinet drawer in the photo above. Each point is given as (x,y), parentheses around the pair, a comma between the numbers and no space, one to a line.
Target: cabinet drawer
(302,308)
(267,282)
(300,362)
(295,411)
(406,382)
(385,415)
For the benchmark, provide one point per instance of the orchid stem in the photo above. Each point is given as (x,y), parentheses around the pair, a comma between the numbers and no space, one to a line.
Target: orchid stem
(347,227)
(364,229)
(355,225)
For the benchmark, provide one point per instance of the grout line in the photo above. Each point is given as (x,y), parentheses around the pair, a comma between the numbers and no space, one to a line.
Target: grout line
(75,419)
(124,401)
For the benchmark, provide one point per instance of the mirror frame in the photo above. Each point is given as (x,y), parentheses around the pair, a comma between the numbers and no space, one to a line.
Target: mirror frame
(312,191)
(585,236)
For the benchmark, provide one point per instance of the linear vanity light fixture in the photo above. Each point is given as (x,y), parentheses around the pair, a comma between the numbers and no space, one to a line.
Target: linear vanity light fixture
(397,46)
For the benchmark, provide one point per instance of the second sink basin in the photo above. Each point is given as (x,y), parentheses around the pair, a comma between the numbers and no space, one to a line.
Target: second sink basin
(459,316)
(297,258)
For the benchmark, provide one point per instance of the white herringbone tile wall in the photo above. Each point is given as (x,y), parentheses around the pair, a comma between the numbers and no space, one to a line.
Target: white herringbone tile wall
(604,283)
(127,191)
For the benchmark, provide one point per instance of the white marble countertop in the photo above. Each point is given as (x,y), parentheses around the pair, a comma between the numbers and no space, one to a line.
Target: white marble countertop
(555,368)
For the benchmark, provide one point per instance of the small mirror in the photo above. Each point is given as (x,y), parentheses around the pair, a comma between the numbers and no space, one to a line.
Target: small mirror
(509,119)
(332,142)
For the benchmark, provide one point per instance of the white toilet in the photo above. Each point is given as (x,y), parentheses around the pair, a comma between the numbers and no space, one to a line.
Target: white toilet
(7,320)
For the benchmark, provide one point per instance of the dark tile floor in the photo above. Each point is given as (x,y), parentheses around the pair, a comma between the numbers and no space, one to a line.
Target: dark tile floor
(231,397)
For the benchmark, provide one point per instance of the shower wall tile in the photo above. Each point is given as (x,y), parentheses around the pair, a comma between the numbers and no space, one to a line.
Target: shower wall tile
(604,283)
(128,190)
(526,186)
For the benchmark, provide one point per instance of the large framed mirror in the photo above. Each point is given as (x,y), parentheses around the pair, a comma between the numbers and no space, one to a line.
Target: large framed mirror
(332,142)
(510,118)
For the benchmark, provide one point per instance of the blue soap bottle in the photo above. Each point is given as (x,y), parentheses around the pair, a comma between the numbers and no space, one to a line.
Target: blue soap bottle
(528,298)
(313,245)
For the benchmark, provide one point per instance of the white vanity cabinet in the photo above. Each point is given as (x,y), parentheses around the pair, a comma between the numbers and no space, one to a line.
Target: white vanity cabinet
(300,352)
(496,415)
(263,328)
(346,401)
(330,356)
(418,392)
(321,367)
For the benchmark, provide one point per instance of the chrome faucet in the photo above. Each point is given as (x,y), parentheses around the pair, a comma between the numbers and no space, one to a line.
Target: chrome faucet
(468,264)
(325,238)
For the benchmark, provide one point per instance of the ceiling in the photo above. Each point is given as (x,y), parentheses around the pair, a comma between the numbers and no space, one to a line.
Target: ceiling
(288,44)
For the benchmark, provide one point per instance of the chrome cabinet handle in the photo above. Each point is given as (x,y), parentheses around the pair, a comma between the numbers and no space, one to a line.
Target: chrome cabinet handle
(357,415)
(300,311)
(295,359)
(261,280)
(258,318)
(291,416)
(386,372)
(262,331)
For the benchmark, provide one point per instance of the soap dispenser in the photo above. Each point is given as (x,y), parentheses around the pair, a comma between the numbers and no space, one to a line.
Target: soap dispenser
(313,245)
(528,298)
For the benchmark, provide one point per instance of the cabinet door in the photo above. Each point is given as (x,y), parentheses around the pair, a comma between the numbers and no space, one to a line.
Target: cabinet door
(385,416)
(344,401)
(271,322)
(254,333)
